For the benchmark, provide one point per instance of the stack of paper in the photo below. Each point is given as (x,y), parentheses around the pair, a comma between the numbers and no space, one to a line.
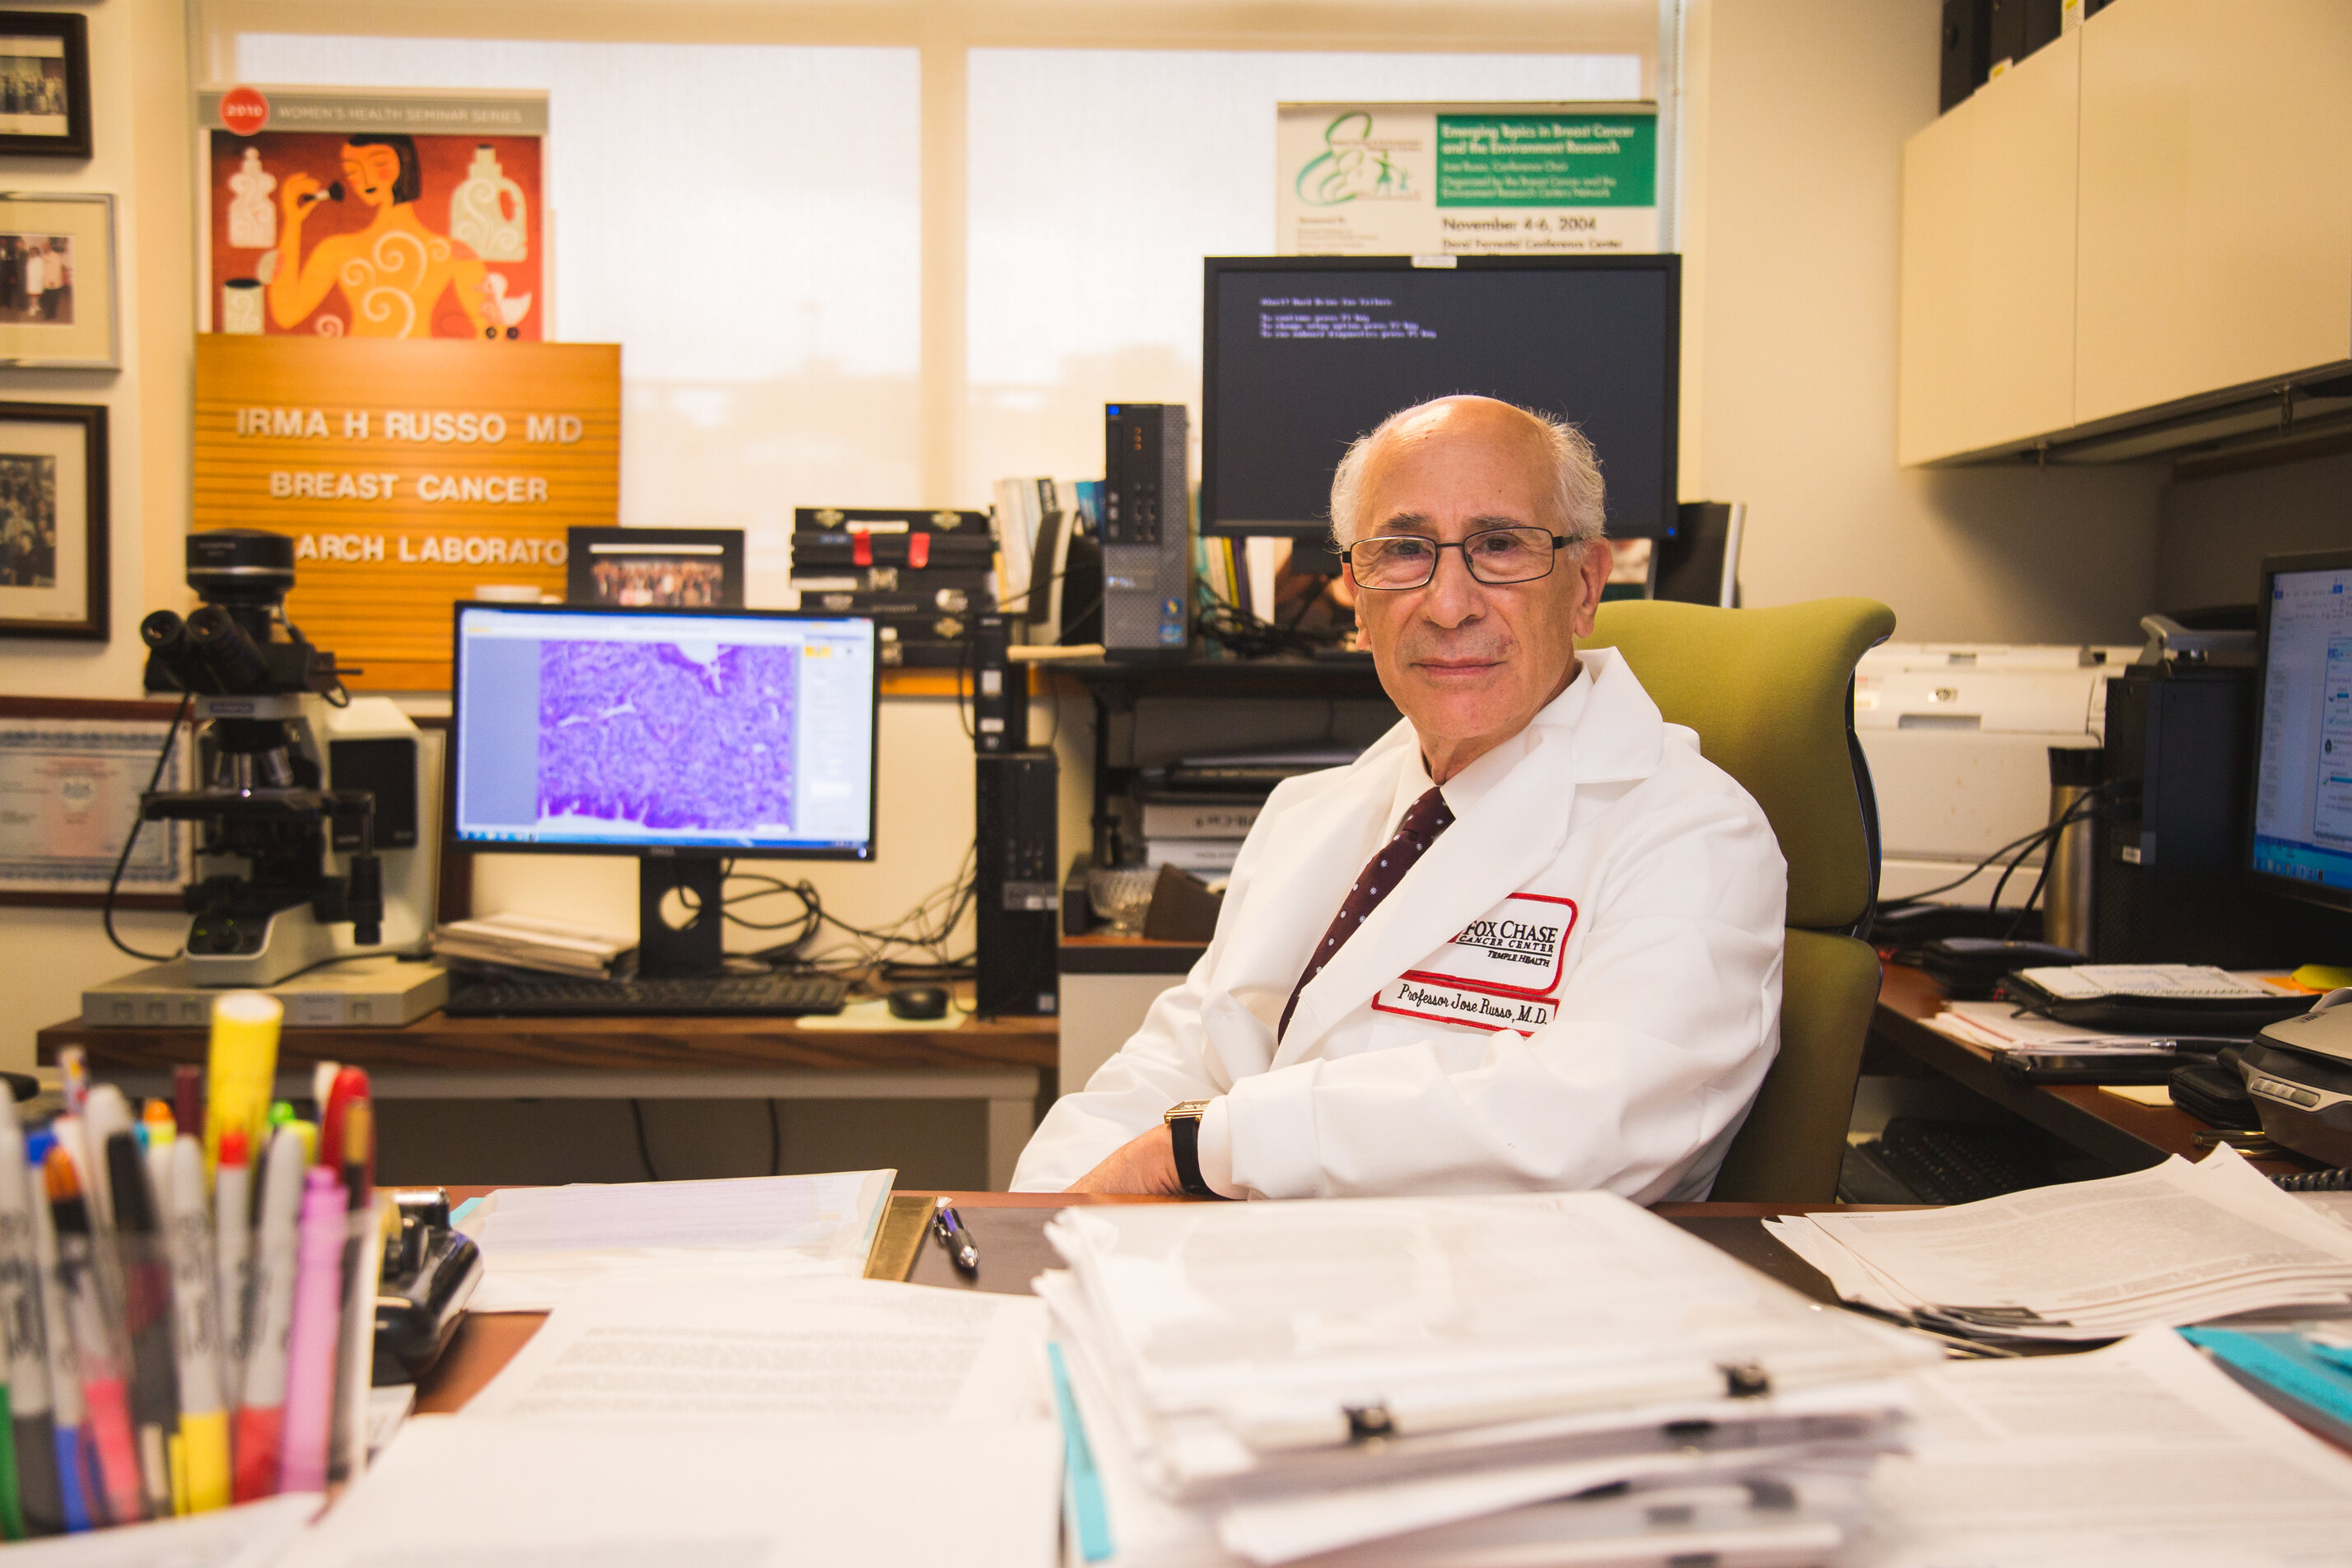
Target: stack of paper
(527,942)
(2140,1456)
(1415,1380)
(2087,1260)
(540,1244)
(2001,1027)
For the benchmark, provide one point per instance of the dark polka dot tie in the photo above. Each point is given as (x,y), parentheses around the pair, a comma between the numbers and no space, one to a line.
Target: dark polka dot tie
(1415,834)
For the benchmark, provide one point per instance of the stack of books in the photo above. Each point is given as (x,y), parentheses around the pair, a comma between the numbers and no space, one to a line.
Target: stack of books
(528,941)
(922,575)
(1553,1377)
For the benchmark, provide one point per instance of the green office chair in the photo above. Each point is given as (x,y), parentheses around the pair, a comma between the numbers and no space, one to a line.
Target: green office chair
(1770,694)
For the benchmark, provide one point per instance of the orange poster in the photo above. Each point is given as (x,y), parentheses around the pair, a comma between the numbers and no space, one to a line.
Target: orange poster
(375,214)
(410,474)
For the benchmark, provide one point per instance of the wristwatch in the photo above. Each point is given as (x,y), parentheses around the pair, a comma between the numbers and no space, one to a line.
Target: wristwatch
(1184,1132)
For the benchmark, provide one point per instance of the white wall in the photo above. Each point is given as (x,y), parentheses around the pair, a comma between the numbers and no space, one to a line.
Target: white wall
(1798,113)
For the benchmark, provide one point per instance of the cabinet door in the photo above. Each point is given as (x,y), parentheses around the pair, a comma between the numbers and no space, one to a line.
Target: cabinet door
(2216,227)
(1987,309)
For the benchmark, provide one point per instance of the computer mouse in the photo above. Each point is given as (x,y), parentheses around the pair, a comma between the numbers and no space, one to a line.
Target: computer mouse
(919,1002)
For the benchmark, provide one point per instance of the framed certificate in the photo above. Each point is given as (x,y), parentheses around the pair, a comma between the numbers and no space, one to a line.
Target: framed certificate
(71,776)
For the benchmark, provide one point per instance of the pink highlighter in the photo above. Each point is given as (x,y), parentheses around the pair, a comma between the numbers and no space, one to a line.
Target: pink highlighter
(311,1345)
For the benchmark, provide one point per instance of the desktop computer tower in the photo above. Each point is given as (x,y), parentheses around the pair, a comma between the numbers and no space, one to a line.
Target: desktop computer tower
(2169,887)
(1018,890)
(1146,532)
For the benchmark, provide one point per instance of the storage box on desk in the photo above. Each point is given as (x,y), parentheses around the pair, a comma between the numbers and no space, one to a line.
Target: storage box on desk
(862,537)
(898,591)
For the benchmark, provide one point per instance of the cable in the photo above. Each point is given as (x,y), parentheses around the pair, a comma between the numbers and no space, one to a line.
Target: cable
(1967,875)
(113,883)
(2073,812)
(775,1141)
(645,1152)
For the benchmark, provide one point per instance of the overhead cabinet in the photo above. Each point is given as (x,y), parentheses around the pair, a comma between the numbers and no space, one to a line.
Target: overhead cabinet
(2136,239)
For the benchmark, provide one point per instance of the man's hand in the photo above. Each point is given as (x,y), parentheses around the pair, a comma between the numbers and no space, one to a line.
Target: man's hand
(1146,1164)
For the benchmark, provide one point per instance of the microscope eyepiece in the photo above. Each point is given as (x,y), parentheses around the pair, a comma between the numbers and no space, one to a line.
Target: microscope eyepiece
(236,663)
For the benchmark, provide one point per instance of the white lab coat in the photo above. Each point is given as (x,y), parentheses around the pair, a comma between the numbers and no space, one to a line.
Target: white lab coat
(1622,1050)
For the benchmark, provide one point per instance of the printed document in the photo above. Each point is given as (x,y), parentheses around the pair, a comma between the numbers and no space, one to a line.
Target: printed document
(468,1492)
(2144,1454)
(848,1352)
(540,1244)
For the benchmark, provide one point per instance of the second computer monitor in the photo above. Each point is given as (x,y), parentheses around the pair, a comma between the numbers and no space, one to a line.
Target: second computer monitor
(2301,840)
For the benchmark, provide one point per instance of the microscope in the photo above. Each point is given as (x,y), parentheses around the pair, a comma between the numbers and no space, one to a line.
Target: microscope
(319,813)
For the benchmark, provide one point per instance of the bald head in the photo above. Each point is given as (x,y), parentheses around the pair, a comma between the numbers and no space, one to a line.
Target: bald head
(1562,472)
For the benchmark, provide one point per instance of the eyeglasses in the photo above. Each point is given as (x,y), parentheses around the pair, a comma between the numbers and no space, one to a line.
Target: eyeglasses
(1395,562)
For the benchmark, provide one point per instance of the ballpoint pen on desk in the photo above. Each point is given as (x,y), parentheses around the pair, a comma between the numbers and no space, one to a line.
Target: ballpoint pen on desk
(108,1448)
(78,1507)
(202,1476)
(146,1317)
(310,1362)
(950,1228)
(261,1403)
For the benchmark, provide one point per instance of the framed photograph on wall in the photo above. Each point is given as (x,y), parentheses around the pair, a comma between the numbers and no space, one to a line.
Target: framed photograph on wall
(57,281)
(53,559)
(70,774)
(44,84)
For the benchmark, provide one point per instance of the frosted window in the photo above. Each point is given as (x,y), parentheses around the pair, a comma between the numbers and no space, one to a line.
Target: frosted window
(1100,178)
(745,220)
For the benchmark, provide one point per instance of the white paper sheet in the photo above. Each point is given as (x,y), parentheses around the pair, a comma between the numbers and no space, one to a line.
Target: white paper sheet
(254,1536)
(2143,1454)
(2174,1244)
(848,1352)
(540,1244)
(484,1492)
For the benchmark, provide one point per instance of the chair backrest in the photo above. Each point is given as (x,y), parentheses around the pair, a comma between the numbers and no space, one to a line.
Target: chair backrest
(1769,691)
(1766,692)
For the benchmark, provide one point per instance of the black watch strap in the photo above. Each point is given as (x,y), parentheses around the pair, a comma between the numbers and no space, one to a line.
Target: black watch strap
(1184,1138)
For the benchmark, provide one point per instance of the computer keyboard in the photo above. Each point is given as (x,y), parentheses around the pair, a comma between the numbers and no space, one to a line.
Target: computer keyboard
(715,995)
(1953,1162)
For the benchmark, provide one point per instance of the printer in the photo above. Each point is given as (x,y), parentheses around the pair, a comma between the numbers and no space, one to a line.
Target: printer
(2298,1073)
(1958,738)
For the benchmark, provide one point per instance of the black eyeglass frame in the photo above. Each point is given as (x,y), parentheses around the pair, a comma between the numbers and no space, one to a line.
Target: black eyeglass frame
(1559,542)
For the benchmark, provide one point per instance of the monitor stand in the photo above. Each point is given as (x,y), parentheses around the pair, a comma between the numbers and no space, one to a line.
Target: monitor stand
(668,952)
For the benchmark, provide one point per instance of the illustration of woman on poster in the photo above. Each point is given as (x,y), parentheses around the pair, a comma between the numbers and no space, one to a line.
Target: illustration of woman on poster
(393,272)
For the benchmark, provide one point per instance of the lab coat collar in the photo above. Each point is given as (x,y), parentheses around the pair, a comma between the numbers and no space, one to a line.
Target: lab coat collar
(1513,827)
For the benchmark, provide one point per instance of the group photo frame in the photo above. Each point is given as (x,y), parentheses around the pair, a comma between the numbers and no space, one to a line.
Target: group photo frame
(54,576)
(58,285)
(44,84)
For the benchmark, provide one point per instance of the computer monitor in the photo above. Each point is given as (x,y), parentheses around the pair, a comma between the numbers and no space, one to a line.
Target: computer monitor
(683,737)
(2302,838)
(1303,354)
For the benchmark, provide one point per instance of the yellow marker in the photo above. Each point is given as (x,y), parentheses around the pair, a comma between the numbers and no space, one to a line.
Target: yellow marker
(308,1132)
(243,1070)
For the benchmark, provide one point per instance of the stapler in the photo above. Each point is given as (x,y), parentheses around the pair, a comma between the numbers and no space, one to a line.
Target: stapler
(429,1274)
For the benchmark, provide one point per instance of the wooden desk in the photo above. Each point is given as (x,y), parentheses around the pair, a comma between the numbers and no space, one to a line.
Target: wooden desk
(2123,1134)
(998,1060)
(1008,1227)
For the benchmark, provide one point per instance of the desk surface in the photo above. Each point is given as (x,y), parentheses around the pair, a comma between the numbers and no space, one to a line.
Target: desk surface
(439,1043)
(1009,1229)
(2125,1135)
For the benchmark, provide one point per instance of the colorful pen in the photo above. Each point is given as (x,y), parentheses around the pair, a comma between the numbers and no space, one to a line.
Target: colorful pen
(233,1256)
(361,1267)
(242,1068)
(261,1404)
(323,1077)
(196,1334)
(310,1346)
(82,1275)
(105,1112)
(27,1396)
(146,1316)
(188,1100)
(73,1077)
(78,1506)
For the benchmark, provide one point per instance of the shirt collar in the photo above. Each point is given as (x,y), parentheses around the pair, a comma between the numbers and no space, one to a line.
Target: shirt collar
(1466,788)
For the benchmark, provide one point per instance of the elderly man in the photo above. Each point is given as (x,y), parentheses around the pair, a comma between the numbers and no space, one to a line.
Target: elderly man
(1531,939)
